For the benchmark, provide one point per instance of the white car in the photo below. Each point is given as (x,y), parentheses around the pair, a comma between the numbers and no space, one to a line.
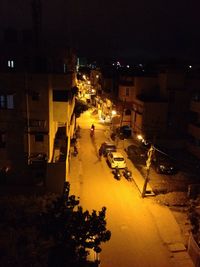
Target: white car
(116,159)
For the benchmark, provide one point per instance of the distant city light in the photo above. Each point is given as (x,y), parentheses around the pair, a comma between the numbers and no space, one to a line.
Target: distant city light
(127,66)
(190,66)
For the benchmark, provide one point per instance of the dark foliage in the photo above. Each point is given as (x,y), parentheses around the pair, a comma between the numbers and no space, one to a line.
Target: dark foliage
(80,107)
(49,231)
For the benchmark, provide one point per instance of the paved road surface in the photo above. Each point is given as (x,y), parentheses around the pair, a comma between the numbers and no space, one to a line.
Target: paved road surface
(135,240)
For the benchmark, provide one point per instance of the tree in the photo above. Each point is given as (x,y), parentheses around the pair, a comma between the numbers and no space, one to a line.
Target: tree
(72,231)
(49,230)
(80,107)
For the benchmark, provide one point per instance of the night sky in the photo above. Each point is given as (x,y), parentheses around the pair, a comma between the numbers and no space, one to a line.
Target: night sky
(135,28)
(129,28)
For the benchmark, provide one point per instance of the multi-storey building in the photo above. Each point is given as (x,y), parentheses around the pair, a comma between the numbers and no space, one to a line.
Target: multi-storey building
(37,95)
(156,104)
(193,143)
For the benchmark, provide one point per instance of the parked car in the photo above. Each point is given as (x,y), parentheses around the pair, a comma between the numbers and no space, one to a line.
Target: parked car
(38,158)
(138,154)
(163,164)
(124,132)
(107,147)
(116,159)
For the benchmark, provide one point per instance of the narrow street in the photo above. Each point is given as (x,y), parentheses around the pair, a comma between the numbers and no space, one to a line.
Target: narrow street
(135,240)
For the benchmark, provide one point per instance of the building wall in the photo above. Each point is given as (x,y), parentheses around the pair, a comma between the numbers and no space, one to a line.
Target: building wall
(146,119)
(145,85)
(126,93)
(27,111)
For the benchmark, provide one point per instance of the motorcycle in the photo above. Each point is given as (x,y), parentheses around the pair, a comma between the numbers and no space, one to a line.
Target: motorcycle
(127,174)
(117,173)
(75,151)
(91,132)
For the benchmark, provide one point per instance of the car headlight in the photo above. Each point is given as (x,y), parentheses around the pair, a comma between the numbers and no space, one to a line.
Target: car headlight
(162,167)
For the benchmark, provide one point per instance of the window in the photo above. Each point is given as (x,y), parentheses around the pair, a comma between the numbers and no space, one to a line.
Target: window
(171,96)
(6,101)
(127,112)
(60,95)
(27,36)
(10,103)
(35,96)
(39,137)
(65,68)
(2,140)
(11,64)
(2,101)
(10,36)
(127,91)
(37,123)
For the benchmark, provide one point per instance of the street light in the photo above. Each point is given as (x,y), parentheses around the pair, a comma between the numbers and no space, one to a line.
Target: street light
(114,112)
(148,163)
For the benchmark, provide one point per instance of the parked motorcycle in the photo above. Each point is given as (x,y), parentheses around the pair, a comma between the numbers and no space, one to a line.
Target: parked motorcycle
(127,174)
(117,173)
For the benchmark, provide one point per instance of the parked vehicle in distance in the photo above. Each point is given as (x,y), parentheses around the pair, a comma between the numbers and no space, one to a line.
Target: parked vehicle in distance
(38,158)
(124,132)
(116,173)
(107,147)
(116,159)
(138,154)
(127,174)
(163,164)
(160,162)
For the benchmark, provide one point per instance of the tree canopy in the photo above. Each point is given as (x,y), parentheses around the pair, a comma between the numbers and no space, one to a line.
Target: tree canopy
(47,231)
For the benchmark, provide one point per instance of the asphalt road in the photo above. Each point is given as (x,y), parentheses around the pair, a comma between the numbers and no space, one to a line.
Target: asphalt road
(135,240)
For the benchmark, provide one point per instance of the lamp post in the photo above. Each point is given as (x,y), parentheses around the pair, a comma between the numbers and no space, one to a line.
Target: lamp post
(148,164)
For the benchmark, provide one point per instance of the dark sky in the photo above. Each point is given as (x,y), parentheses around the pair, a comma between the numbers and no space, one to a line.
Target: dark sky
(135,28)
(143,28)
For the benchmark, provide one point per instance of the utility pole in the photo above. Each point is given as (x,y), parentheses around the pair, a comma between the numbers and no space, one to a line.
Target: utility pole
(148,164)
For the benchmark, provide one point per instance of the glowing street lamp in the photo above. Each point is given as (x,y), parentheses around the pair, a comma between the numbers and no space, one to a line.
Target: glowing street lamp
(140,137)
(114,112)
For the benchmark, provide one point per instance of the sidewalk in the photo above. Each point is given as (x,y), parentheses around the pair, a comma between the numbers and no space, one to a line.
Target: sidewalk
(170,233)
(166,224)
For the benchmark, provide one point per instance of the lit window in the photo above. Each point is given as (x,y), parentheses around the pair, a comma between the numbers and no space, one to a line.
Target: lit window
(6,102)
(2,101)
(65,68)
(11,64)
(10,102)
